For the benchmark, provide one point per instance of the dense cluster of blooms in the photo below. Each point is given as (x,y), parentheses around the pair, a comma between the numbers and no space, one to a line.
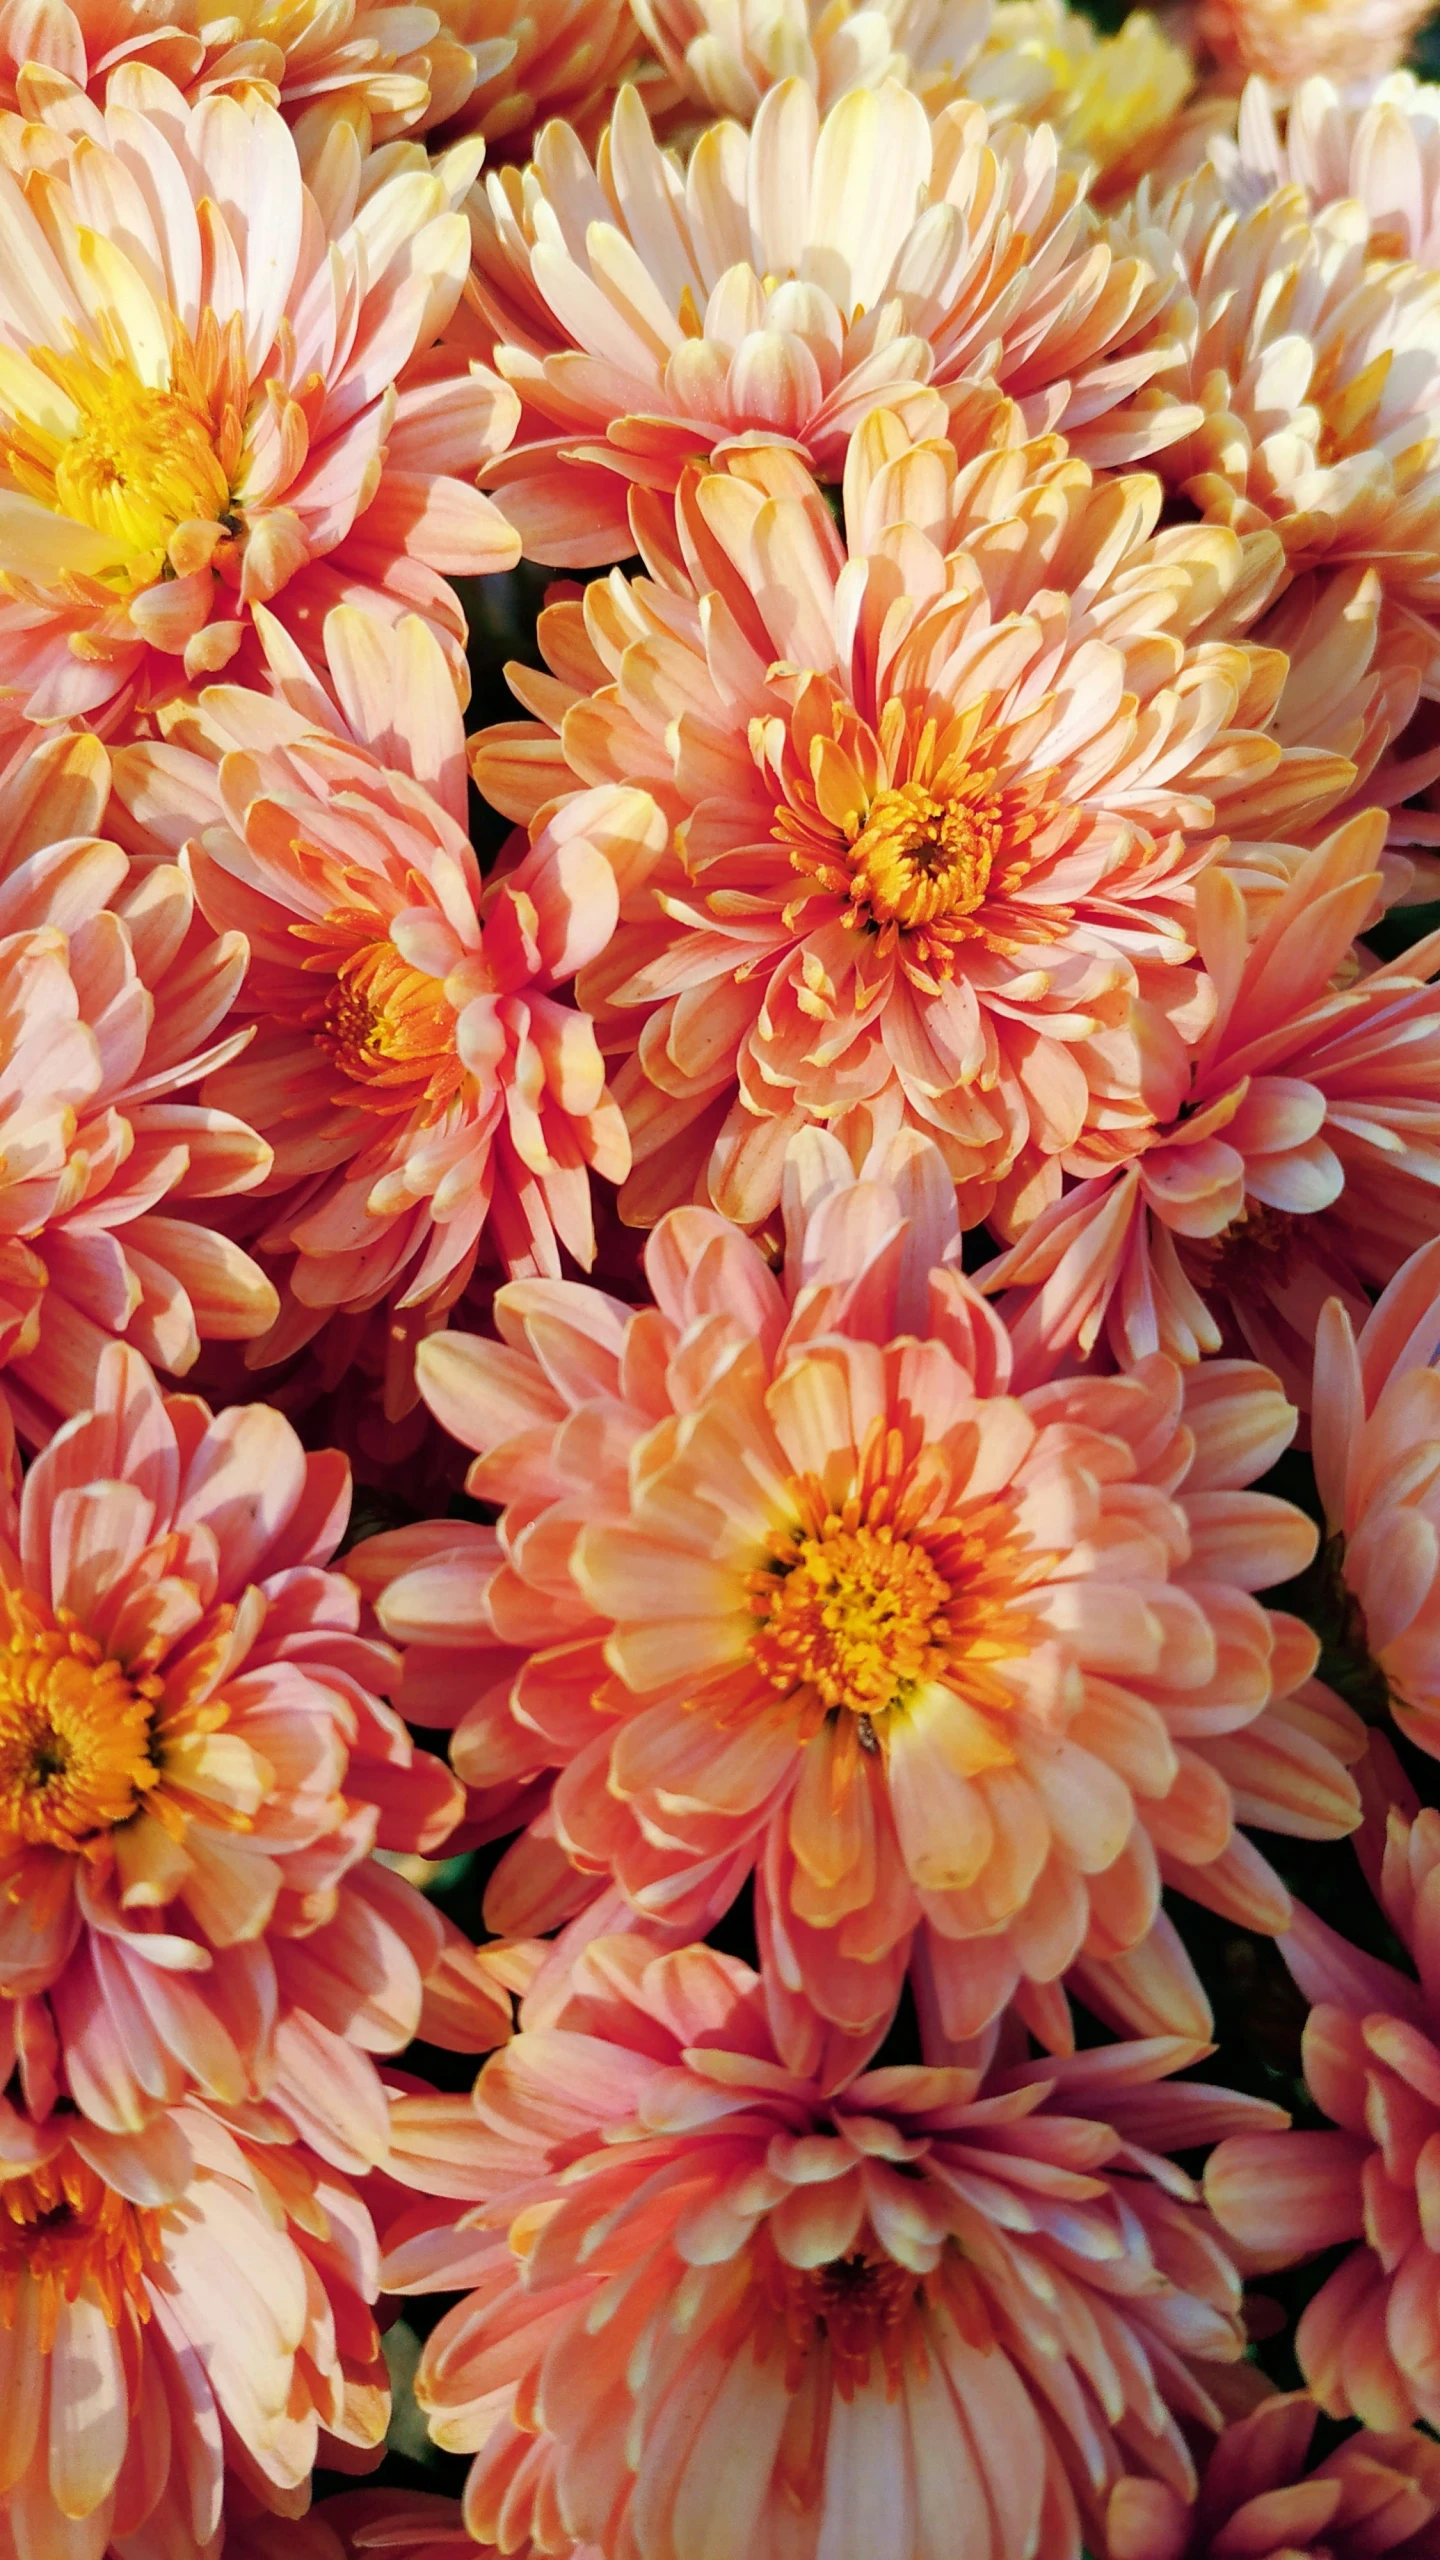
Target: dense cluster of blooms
(719,1281)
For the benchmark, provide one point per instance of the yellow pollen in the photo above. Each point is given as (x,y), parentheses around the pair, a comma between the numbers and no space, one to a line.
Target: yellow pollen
(857,1616)
(138,460)
(920,856)
(388,1025)
(67,2233)
(75,1732)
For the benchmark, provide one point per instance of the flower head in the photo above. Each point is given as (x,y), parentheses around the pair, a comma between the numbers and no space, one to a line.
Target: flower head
(789,1581)
(1256,2495)
(413,1054)
(1376,1438)
(940,795)
(783,284)
(1299,1158)
(1317,366)
(189,422)
(1371,2054)
(1291,41)
(979,2287)
(113,1003)
(194,1763)
(170,2321)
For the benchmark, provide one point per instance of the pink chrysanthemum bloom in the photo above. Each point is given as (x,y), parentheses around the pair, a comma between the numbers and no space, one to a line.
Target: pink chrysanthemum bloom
(222,390)
(1376,1441)
(414,1058)
(939,796)
(1299,1156)
(352,2526)
(194,1763)
(1290,41)
(790,1581)
(168,2320)
(781,285)
(1317,366)
(931,2293)
(114,997)
(1368,2342)
(1376,2494)
(1377,141)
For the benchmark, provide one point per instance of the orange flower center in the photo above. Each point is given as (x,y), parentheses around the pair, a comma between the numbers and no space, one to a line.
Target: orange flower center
(859,1607)
(387,1025)
(75,1732)
(860,2305)
(67,2232)
(857,1617)
(921,855)
(133,460)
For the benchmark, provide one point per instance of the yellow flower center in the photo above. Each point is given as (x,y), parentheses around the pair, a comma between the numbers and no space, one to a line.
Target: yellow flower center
(387,1025)
(921,855)
(858,1617)
(68,2233)
(133,460)
(75,1732)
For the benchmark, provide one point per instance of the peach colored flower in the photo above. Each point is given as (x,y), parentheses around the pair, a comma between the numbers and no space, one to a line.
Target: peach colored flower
(1317,366)
(933,2292)
(486,66)
(396,66)
(113,1004)
(170,2318)
(1288,41)
(413,1055)
(1368,2341)
(784,283)
(939,799)
(723,55)
(1299,1155)
(1376,1441)
(194,1763)
(788,1581)
(535,59)
(1373,2494)
(356,2523)
(219,389)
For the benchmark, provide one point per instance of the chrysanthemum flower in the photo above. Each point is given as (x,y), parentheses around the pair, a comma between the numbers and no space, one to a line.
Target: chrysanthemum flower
(1299,1158)
(540,58)
(113,1003)
(414,1059)
(1374,2494)
(789,1581)
(1110,98)
(168,2319)
(1289,41)
(784,283)
(935,2292)
(940,798)
(1317,365)
(397,66)
(1369,2341)
(488,66)
(1376,1438)
(204,390)
(359,2522)
(723,55)
(194,1762)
